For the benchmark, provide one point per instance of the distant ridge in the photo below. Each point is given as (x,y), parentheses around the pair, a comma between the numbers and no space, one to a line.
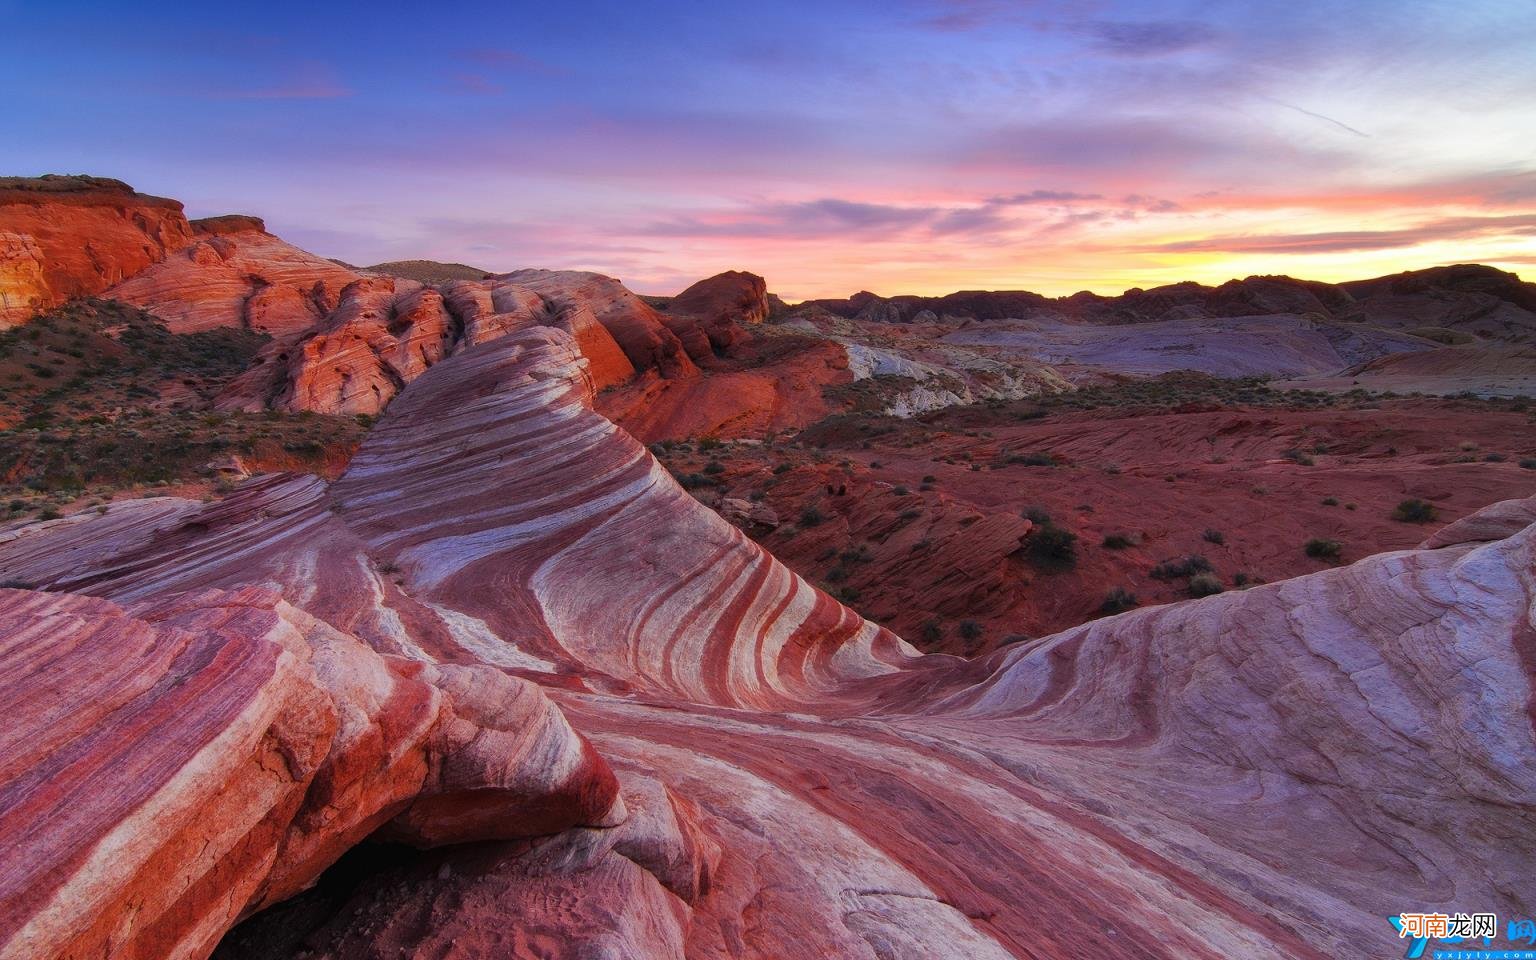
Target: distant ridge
(429,271)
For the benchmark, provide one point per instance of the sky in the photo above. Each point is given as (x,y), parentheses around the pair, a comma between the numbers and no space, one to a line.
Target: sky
(899,146)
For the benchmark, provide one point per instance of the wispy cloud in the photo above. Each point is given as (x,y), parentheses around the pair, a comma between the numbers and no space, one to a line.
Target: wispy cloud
(1146,38)
(1450,228)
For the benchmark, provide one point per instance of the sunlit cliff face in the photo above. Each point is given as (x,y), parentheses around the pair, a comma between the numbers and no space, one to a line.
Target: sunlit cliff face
(915,146)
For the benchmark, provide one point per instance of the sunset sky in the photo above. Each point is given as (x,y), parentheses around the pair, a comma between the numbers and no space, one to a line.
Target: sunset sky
(905,146)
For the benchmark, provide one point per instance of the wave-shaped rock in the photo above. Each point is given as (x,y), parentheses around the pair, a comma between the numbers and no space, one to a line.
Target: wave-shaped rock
(1263,773)
(174,765)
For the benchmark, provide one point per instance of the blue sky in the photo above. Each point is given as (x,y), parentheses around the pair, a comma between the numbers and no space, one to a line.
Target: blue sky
(904,146)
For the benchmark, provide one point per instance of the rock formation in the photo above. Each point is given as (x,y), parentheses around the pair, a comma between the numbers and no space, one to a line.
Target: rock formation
(63,237)
(195,758)
(1264,773)
(723,306)
(236,274)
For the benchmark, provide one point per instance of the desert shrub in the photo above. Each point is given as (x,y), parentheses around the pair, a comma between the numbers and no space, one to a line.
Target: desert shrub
(1117,541)
(837,574)
(900,490)
(1529,463)
(782,468)
(713,467)
(1118,600)
(970,630)
(1495,458)
(1330,501)
(48,513)
(1319,548)
(710,443)
(909,515)
(1203,585)
(874,464)
(930,478)
(811,516)
(1414,511)
(693,481)
(1214,536)
(931,631)
(1052,548)
(1297,456)
(1181,567)
(1033,459)
(859,554)
(1036,514)
(1240,579)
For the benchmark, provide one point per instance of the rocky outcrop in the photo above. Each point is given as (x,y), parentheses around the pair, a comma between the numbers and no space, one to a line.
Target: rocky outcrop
(63,237)
(236,274)
(213,752)
(385,332)
(723,307)
(1244,775)
(1469,298)
(640,330)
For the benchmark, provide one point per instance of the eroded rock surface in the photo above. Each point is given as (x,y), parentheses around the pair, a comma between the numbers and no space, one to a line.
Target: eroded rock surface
(63,237)
(1245,775)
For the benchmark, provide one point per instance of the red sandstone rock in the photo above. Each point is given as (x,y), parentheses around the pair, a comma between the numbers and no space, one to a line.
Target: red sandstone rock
(237,274)
(638,328)
(213,752)
(734,298)
(1242,775)
(63,237)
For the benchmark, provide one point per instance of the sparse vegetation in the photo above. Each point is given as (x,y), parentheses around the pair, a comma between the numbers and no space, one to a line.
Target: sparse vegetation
(1118,600)
(1415,511)
(1117,541)
(1052,548)
(1214,536)
(1204,585)
(1180,567)
(1319,548)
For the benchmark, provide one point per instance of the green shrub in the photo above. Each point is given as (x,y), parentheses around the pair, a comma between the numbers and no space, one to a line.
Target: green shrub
(1035,514)
(1181,567)
(1033,459)
(1203,585)
(1414,511)
(1052,548)
(931,631)
(1117,541)
(970,630)
(1322,549)
(713,467)
(811,516)
(1214,536)
(1118,600)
